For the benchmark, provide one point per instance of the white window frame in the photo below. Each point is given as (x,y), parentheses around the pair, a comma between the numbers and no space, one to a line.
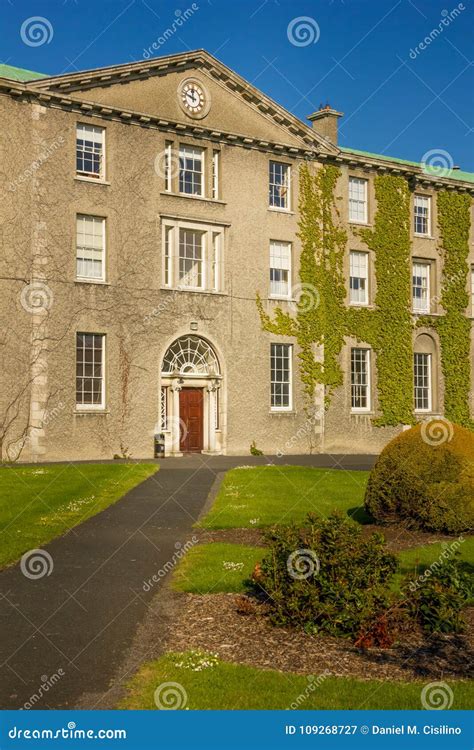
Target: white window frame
(273,267)
(213,241)
(215,175)
(367,385)
(426,198)
(428,356)
(354,216)
(353,254)
(101,406)
(164,407)
(289,407)
(168,167)
(426,265)
(183,148)
(93,176)
(272,206)
(92,279)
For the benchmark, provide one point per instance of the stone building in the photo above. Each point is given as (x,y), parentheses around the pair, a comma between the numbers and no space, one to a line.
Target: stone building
(144,207)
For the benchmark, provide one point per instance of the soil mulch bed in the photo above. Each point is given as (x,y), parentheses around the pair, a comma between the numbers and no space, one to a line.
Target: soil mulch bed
(213,623)
(398,537)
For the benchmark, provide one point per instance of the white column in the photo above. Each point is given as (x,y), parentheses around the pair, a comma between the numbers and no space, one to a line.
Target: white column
(212,419)
(175,421)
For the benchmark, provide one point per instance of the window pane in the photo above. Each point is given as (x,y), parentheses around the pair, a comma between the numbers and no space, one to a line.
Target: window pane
(280,260)
(421,214)
(279,185)
(89,369)
(89,150)
(280,377)
(422,381)
(90,247)
(360,384)
(190,258)
(357,200)
(190,170)
(420,287)
(359,277)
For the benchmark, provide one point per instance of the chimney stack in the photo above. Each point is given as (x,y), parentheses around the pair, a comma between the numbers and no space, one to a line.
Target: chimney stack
(325,122)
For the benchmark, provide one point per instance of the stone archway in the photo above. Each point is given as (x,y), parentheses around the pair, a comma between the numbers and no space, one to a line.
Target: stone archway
(190,405)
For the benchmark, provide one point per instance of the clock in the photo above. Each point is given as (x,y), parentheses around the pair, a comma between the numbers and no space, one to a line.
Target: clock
(193,98)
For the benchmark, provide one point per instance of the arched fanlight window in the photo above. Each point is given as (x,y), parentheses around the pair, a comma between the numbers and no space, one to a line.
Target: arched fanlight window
(190,355)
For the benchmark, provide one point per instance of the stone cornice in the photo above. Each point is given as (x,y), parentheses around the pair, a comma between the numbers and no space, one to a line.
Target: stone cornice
(131,117)
(213,68)
(49,98)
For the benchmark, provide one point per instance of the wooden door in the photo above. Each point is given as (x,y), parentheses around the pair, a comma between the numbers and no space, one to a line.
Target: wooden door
(191,413)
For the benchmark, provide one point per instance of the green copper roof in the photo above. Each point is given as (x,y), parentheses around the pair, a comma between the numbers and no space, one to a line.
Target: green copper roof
(19,74)
(455,174)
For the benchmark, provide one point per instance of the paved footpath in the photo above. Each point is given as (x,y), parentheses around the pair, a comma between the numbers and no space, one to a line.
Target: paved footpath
(74,627)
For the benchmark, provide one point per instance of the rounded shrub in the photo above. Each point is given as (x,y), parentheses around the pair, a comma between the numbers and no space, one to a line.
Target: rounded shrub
(425,476)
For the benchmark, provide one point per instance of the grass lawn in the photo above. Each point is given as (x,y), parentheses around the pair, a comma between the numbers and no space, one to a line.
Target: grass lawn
(41,502)
(235,686)
(264,495)
(203,570)
(418,559)
(216,568)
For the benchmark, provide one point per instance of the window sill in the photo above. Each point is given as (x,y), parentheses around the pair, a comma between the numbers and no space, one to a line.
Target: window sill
(94,282)
(275,210)
(88,412)
(359,223)
(201,198)
(423,236)
(282,412)
(361,304)
(274,298)
(362,413)
(91,180)
(187,290)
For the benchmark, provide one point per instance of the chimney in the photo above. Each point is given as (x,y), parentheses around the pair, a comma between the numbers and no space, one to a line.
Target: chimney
(325,122)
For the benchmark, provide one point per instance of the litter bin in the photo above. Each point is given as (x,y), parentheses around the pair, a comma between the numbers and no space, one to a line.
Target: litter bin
(160,445)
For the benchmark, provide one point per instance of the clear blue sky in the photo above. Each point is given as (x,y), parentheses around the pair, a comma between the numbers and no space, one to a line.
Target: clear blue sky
(361,57)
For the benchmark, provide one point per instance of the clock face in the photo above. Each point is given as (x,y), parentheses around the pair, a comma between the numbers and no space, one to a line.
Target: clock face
(193,98)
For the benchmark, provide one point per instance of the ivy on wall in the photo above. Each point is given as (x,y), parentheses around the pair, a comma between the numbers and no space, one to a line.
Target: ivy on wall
(388,328)
(323,318)
(320,305)
(453,327)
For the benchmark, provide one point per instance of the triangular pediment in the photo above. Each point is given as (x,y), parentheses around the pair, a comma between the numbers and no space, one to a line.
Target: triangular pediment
(155,86)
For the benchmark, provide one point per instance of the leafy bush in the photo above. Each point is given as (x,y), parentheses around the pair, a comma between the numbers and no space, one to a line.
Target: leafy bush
(324,576)
(436,598)
(429,485)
